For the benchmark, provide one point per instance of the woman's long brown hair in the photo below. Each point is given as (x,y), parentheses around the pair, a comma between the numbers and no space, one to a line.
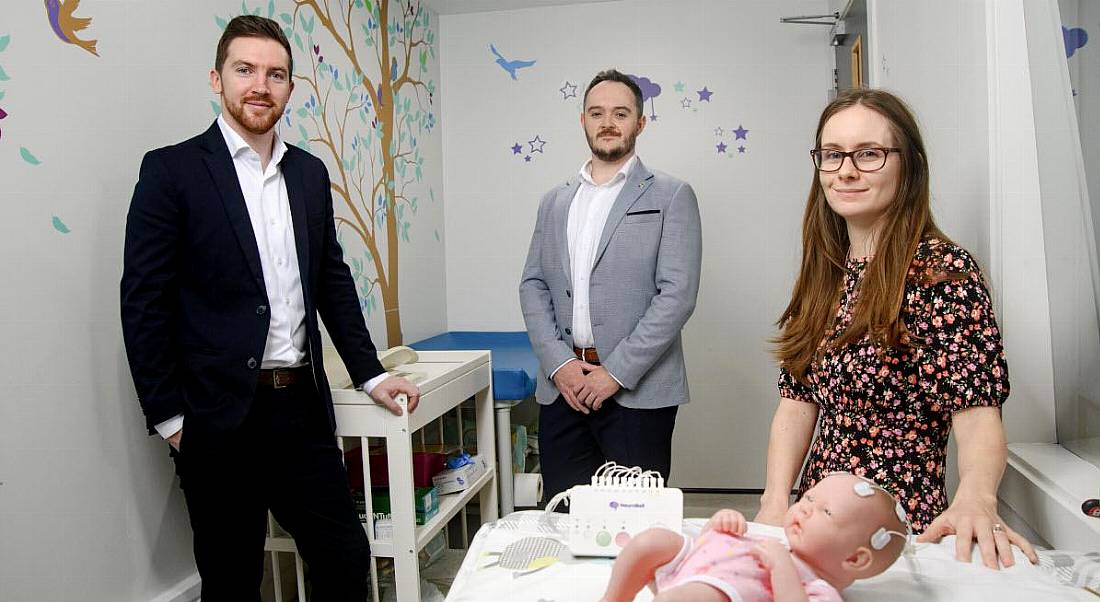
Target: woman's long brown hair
(810,315)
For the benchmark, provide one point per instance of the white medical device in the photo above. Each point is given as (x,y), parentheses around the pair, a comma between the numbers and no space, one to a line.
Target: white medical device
(619,503)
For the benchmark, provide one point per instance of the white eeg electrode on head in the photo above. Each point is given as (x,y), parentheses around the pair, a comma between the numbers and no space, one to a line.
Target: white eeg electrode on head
(618,504)
(881,538)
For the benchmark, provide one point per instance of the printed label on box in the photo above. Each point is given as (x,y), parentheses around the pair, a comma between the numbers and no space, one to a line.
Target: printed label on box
(452,480)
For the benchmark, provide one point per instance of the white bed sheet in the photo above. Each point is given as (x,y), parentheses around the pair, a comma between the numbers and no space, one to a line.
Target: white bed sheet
(519,558)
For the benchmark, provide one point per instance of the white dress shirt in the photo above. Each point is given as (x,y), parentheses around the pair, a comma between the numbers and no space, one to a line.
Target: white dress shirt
(268,207)
(265,197)
(587,218)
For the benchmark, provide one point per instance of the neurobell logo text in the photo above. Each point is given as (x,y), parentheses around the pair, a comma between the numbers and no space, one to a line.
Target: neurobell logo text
(617,505)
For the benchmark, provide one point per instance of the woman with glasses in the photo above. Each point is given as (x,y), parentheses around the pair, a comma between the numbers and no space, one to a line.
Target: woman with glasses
(889,339)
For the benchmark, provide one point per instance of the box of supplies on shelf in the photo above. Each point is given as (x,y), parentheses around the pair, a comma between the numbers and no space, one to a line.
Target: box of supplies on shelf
(425,499)
(458,479)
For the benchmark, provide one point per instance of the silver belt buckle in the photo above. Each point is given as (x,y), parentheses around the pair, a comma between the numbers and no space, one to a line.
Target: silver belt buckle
(276,381)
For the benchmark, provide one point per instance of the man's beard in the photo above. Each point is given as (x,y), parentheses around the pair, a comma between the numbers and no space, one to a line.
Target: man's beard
(616,152)
(255,125)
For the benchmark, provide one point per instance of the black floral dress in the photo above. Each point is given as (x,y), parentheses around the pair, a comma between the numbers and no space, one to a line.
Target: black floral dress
(886,413)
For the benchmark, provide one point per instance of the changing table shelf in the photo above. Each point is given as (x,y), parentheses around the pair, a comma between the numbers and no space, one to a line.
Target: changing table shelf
(446,379)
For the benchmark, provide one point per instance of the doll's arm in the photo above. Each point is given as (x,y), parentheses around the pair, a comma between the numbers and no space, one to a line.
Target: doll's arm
(786,585)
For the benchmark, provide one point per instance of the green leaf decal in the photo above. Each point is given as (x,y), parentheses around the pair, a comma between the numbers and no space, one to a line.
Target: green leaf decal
(27,156)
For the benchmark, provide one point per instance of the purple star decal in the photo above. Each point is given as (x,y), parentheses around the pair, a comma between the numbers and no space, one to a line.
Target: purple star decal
(536,144)
(740,149)
(740,133)
(516,149)
(721,147)
(527,159)
(704,94)
(653,117)
(569,90)
(685,103)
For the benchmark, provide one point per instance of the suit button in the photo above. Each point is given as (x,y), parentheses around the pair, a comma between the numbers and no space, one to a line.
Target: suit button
(568,293)
(251,362)
(568,331)
(261,310)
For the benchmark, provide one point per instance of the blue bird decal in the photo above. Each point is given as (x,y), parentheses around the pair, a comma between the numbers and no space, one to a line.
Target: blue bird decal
(509,66)
(65,25)
(393,70)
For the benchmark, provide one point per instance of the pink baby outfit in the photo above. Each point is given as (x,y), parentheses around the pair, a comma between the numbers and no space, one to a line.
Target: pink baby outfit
(726,563)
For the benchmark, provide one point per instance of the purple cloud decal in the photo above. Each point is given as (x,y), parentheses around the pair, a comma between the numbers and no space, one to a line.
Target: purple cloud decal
(650,90)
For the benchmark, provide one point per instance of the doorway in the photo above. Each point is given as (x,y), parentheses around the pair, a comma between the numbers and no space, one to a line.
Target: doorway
(850,42)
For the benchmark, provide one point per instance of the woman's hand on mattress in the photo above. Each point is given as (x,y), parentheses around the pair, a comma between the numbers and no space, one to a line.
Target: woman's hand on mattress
(971,520)
(771,513)
(727,521)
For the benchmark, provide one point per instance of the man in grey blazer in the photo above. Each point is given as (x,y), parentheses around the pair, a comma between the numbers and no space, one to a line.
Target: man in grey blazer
(610,280)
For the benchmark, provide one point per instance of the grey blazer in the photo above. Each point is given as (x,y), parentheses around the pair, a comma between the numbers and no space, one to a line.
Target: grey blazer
(642,289)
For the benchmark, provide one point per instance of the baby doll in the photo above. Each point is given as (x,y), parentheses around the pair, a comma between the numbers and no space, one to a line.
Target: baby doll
(841,530)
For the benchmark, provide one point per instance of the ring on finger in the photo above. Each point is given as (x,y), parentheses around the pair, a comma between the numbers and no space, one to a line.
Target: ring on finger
(998,528)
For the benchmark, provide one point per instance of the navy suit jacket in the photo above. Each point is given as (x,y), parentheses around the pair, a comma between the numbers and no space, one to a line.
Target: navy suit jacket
(195,310)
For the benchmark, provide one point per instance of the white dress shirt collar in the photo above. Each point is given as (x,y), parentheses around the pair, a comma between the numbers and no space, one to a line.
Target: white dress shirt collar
(624,171)
(238,145)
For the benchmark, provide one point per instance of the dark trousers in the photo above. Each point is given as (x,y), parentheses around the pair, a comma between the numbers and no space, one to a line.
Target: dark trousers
(283,458)
(573,445)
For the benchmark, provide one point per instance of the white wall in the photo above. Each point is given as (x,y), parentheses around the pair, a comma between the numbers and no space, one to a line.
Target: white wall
(1070,154)
(769,77)
(962,66)
(89,505)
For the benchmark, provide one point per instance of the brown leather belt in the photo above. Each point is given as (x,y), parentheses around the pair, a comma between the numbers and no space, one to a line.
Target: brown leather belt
(279,378)
(587,354)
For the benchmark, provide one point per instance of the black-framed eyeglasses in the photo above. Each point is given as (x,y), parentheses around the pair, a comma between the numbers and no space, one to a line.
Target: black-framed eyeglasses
(864,159)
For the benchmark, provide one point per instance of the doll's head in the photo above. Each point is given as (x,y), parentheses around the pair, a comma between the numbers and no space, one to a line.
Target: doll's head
(846,528)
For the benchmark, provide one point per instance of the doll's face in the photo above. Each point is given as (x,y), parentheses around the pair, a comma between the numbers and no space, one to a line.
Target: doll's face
(830,522)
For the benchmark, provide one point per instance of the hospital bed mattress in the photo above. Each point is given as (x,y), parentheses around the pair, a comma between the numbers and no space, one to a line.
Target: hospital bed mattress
(521,558)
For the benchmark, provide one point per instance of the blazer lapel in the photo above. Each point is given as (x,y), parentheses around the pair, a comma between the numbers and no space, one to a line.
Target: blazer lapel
(637,182)
(220,164)
(561,223)
(296,195)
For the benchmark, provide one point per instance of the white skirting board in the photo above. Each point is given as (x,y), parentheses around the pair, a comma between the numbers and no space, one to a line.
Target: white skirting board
(187,590)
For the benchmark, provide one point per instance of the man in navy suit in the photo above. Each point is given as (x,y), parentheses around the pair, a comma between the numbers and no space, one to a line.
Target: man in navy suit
(230,255)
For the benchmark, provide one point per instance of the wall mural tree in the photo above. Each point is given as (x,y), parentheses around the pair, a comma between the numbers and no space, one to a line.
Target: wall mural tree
(368,103)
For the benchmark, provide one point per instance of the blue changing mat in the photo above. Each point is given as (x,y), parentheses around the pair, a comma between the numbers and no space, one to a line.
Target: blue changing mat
(514,363)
